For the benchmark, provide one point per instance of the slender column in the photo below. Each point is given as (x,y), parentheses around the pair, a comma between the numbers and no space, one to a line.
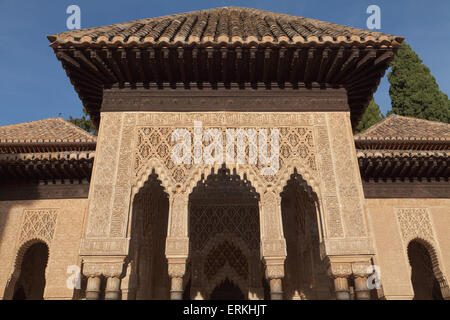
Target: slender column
(177,268)
(361,271)
(112,291)
(276,289)
(177,243)
(93,287)
(109,267)
(275,274)
(176,288)
(341,288)
(340,272)
(362,292)
(273,244)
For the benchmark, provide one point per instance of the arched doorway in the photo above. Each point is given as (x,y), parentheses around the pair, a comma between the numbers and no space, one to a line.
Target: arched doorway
(305,273)
(227,290)
(31,282)
(224,233)
(149,276)
(424,282)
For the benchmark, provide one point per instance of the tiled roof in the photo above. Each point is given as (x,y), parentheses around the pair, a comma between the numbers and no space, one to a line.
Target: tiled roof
(405,128)
(52,130)
(228,25)
(401,147)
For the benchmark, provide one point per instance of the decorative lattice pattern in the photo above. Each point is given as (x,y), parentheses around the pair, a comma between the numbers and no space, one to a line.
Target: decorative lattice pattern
(155,143)
(208,220)
(224,253)
(415,223)
(38,224)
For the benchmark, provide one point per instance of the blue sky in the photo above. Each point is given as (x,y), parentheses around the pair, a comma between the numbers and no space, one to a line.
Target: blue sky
(33,84)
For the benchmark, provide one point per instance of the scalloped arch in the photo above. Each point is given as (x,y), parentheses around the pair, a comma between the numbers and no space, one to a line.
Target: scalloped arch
(428,245)
(245,172)
(24,248)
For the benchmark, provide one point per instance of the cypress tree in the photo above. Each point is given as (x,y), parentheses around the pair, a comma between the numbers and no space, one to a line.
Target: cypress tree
(414,91)
(371,116)
(84,123)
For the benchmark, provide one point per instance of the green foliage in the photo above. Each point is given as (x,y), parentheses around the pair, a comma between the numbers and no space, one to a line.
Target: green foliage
(371,116)
(84,123)
(414,91)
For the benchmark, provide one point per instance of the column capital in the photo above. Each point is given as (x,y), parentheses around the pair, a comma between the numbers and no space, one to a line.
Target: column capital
(106,266)
(274,267)
(339,270)
(362,269)
(176,267)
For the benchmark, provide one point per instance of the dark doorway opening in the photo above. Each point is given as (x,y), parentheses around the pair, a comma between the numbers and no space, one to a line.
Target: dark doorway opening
(425,284)
(227,290)
(31,283)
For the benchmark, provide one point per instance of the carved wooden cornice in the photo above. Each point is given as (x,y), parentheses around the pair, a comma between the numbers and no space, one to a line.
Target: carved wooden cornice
(92,69)
(43,167)
(403,164)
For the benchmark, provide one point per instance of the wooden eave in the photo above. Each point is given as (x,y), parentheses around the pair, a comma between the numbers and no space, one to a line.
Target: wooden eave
(403,144)
(61,166)
(356,67)
(403,165)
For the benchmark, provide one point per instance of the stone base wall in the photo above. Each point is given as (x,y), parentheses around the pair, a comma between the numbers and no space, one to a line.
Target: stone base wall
(393,224)
(58,223)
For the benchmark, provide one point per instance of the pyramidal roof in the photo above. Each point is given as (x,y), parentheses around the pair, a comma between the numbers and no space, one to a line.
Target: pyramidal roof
(45,131)
(228,25)
(397,127)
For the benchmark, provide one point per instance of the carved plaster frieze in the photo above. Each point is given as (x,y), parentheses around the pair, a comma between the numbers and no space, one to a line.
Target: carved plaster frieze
(178,215)
(350,193)
(177,247)
(273,248)
(92,247)
(415,223)
(347,246)
(104,173)
(38,224)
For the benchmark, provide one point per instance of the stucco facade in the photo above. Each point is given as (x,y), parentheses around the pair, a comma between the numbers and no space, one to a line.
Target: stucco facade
(225,167)
(61,230)
(428,220)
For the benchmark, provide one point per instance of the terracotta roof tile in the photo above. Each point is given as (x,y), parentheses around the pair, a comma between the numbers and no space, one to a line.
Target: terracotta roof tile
(405,128)
(44,131)
(231,25)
